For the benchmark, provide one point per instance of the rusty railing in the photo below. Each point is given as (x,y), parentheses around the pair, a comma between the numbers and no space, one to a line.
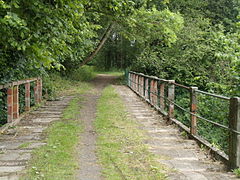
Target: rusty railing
(160,93)
(12,90)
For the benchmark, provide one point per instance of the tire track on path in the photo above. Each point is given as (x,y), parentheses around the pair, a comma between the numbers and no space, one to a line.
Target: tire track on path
(89,167)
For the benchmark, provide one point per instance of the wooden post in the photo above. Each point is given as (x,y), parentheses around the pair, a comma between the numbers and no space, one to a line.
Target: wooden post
(193,110)
(10,104)
(234,138)
(171,97)
(15,102)
(162,94)
(27,97)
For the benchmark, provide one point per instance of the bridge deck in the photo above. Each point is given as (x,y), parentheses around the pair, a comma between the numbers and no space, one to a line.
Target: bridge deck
(182,156)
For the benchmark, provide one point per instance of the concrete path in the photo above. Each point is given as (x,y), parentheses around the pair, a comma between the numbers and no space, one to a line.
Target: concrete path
(183,156)
(17,144)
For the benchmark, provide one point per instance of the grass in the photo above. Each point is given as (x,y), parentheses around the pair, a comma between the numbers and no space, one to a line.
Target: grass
(84,73)
(237,172)
(56,160)
(113,73)
(24,145)
(64,86)
(120,146)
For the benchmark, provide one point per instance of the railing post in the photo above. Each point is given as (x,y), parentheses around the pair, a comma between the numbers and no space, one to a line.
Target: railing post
(158,93)
(134,82)
(15,102)
(27,96)
(138,79)
(130,80)
(155,97)
(193,110)
(149,89)
(171,97)
(10,104)
(146,88)
(40,90)
(36,94)
(162,95)
(138,83)
(234,139)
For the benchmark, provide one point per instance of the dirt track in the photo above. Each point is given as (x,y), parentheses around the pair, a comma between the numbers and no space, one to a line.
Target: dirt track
(89,168)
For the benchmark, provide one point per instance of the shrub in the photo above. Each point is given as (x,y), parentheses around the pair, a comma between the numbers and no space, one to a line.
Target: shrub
(84,73)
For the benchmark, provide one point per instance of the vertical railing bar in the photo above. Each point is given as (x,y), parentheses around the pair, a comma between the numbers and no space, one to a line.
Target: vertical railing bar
(27,96)
(234,138)
(193,110)
(10,104)
(171,97)
(15,102)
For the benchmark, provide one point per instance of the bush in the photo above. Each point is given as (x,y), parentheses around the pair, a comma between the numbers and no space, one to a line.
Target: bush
(84,73)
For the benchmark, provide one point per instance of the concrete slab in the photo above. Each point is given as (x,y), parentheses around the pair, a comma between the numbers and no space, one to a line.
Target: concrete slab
(11,169)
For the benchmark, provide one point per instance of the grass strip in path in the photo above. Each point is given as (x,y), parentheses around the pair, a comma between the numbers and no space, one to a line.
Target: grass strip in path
(56,160)
(120,146)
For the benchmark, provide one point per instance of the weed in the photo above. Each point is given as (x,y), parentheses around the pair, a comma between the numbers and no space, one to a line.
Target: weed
(237,172)
(24,145)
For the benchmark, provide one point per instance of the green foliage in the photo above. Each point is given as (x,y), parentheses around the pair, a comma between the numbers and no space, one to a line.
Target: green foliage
(217,111)
(206,53)
(237,172)
(3,107)
(84,73)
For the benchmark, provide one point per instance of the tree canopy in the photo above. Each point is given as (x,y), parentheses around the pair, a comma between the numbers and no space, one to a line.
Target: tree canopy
(36,35)
(195,42)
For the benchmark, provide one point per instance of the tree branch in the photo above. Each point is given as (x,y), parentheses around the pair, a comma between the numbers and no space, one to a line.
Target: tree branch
(100,45)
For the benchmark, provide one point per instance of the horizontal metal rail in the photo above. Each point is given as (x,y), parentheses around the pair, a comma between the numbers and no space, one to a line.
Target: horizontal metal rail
(152,89)
(213,95)
(187,111)
(5,86)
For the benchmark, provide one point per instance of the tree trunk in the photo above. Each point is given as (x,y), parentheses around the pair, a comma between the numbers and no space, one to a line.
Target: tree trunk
(100,45)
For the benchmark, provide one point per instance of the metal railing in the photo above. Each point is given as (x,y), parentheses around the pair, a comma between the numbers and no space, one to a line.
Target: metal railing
(160,93)
(12,93)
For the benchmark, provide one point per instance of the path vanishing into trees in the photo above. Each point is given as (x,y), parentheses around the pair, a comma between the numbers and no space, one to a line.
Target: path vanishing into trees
(184,159)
